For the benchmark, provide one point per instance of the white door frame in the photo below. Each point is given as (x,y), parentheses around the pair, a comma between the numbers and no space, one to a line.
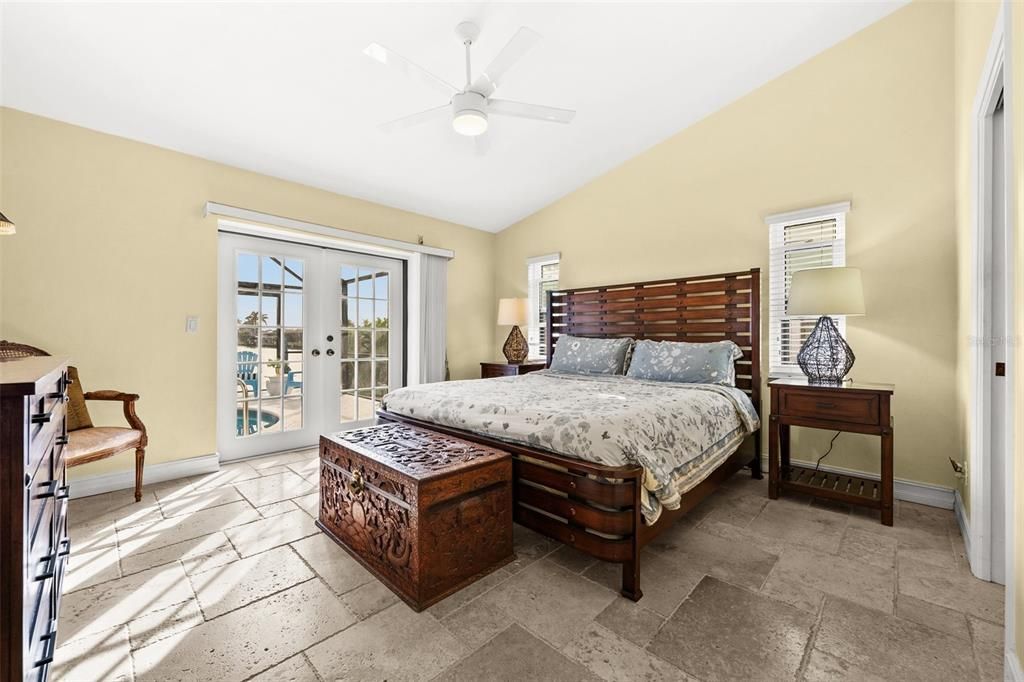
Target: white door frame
(322,237)
(995,76)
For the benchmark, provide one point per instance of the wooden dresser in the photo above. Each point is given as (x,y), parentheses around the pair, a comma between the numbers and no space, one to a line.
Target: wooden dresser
(33,513)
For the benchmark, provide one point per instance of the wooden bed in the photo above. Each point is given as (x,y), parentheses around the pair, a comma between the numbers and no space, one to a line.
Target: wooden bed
(697,309)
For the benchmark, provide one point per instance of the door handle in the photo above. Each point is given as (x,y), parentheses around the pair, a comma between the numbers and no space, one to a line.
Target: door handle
(316,352)
(330,351)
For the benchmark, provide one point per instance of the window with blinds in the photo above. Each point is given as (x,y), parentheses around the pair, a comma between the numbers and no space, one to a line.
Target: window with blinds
(542,277)
(814,238)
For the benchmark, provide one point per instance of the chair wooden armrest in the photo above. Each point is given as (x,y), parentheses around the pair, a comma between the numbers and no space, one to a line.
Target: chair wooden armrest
(129,400)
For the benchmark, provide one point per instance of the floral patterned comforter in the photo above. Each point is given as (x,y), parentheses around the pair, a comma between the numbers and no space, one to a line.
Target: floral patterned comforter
(679,433)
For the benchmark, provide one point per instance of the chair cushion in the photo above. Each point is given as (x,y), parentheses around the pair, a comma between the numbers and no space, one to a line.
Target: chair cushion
(78,413)
(99,441)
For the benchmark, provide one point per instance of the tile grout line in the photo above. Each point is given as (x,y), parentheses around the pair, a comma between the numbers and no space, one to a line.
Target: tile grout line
(812,639)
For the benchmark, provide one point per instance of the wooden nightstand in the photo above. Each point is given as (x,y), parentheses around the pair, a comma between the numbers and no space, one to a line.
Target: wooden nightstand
(504,369)
(851,407)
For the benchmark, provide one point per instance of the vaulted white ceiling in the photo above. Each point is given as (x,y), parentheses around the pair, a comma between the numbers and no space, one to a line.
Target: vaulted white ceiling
(284,89)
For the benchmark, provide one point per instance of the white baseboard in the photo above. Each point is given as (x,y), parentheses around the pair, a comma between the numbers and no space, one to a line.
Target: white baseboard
(153,473)
(964,523)
(1012,671)
(911,491)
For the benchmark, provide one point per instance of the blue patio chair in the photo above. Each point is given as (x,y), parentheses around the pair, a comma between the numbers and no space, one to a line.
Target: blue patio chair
(290,382)
(248,371)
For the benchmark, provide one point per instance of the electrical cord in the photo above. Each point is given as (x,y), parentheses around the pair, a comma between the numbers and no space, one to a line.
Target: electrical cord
(830,444)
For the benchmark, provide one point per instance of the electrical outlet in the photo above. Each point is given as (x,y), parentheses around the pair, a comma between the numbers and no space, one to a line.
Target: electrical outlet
(192,324)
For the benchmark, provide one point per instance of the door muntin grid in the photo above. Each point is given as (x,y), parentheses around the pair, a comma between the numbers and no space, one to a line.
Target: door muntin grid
(365,329)
(269,326)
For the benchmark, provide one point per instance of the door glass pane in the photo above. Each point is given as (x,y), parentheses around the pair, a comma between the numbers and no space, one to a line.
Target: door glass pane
(271,274)
(348,376)
(293,270)
(365,288)
(380,372)
(381,314)
(348,344)
(248,339)
(270,344)
(348,406)
(381,286)
(381,348)
(293,310)
(365,319)
(268,369)
(348,280)
(364,340)
(366,405)
(248,271)
(292,414)
(270,309)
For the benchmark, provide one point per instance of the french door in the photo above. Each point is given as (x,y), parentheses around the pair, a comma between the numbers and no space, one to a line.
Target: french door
(309,340)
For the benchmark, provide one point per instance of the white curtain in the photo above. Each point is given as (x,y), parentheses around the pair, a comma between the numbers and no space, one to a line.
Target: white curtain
(433,317)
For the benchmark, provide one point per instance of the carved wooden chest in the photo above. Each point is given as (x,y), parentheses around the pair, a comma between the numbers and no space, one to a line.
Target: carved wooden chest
(426,513)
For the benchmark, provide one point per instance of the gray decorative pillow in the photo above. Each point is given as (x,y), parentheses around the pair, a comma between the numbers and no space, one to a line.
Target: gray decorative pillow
(685,363)
(590,356)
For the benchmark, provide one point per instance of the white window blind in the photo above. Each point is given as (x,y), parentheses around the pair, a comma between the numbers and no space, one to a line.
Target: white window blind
(814,238)
(541,277)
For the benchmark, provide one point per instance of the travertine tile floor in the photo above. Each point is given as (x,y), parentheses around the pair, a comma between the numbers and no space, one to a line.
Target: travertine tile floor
(225,577)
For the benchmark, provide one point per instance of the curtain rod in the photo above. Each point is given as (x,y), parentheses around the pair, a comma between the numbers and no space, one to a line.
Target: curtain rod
(213,208)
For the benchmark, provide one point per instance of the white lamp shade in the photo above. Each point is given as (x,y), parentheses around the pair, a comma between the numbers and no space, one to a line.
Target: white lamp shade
(512,311)
(826,291)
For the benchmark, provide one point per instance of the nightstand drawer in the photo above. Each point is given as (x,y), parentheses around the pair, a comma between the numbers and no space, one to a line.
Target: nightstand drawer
(852,407)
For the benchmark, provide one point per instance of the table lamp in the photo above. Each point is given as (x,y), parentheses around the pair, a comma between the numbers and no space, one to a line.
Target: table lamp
(513,311)
(825,357)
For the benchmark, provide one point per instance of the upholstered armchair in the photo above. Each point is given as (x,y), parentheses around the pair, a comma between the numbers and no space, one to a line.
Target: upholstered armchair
(88,443)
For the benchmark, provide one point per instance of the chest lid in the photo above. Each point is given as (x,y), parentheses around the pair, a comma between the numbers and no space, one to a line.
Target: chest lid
(416,452)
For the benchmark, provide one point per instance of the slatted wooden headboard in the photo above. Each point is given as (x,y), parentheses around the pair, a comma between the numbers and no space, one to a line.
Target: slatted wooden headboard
(697,309)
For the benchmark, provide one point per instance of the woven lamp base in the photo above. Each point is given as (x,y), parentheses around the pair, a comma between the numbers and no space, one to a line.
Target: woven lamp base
(515,349)
(825,357)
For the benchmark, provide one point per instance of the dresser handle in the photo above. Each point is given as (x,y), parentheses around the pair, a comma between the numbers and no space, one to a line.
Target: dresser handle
(51,644)
(63,440)
(66,544)
(50,567)
(42,418)
(63,492)
(826,406)
(49,489)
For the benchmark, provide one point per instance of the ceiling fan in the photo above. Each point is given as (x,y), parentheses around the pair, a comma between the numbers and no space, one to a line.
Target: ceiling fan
(470,107)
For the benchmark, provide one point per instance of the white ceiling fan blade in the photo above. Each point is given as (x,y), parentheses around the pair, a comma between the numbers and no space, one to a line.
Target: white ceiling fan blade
(521,43)
(506,107)
(388,57)
(416,119)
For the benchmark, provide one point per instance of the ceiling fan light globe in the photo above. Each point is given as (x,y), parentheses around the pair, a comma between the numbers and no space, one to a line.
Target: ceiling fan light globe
(470,122)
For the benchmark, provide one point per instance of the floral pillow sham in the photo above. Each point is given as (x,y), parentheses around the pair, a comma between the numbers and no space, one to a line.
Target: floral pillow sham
(687,363)
(580,355)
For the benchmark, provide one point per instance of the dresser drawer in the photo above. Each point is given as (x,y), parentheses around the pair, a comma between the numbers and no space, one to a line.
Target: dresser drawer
(47,419)
(41,623)
(41,547)
(859,408)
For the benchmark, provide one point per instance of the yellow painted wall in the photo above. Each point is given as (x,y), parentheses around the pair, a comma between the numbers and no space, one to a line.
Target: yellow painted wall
(972,33)
(1016,45)
(112,253)
(868,120)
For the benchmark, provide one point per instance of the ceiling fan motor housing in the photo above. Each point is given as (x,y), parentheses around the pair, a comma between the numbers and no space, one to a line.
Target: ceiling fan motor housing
(470,113)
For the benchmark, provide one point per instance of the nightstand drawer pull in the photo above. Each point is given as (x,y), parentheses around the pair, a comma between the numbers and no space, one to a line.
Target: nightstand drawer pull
(826,406)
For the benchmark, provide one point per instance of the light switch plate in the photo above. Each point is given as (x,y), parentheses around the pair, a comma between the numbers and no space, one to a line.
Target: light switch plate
(192,324)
